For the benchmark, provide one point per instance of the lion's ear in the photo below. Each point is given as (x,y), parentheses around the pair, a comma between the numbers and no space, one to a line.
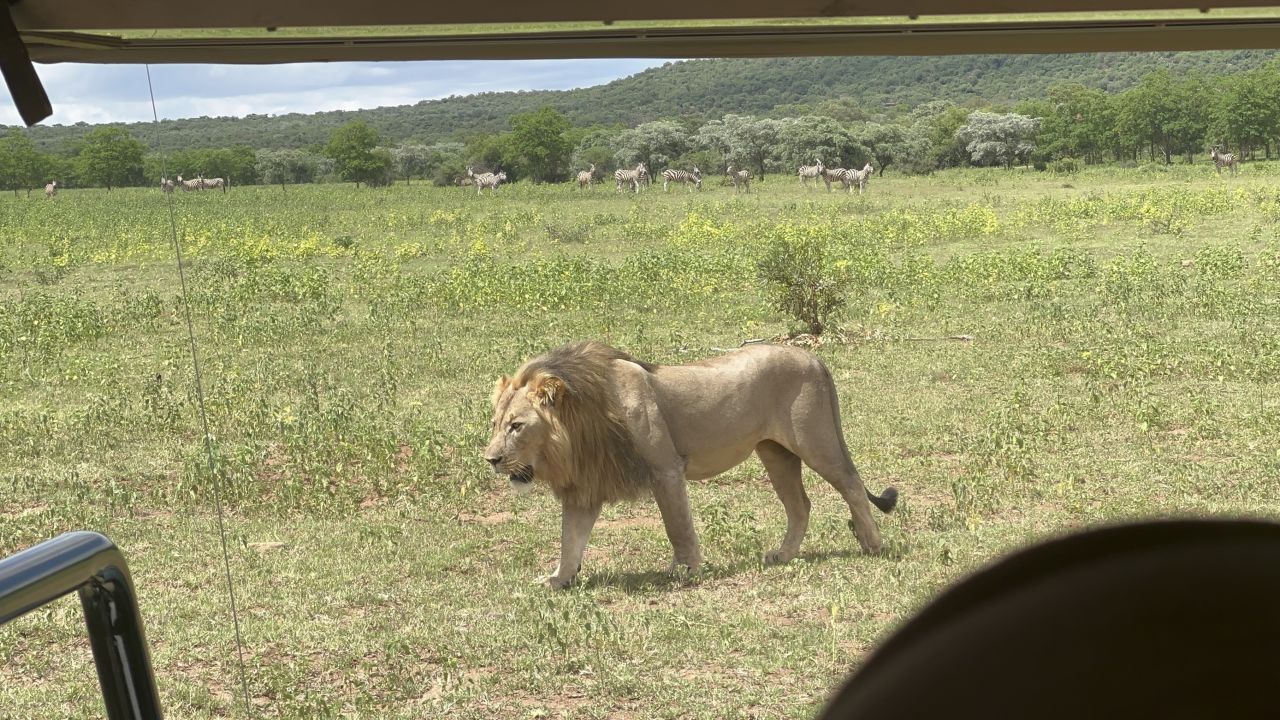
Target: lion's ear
(499,387)
(546,390)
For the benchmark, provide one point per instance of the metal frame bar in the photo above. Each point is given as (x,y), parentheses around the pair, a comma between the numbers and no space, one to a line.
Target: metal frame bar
(167,14)
(677,42)
(20,75)
(90,564)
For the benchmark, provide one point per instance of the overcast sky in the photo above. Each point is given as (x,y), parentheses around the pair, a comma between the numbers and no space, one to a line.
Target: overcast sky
(105,93)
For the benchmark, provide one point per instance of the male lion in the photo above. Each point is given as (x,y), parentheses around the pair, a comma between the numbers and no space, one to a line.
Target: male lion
(597,425)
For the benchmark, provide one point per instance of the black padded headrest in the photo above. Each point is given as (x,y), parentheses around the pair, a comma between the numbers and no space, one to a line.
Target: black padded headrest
(1170,619)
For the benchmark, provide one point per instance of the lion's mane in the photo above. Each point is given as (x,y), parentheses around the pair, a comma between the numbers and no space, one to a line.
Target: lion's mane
(590,456)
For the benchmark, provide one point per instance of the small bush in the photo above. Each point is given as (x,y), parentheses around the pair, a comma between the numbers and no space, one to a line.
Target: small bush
(803,277)
(568,232)
(1064,166)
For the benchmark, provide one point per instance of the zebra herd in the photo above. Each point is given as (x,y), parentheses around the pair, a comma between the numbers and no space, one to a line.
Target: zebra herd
(844,176)
(485,180)
(634,178)
(199,183)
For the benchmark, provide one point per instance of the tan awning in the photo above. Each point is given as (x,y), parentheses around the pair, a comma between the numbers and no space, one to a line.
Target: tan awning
(168,14)
(259,32)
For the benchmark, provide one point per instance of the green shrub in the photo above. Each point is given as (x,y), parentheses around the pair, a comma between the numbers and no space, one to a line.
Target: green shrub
(1064,166)
(803,278)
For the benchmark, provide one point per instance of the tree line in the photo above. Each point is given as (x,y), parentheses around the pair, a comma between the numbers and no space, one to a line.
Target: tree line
(872,88)
(1162,118)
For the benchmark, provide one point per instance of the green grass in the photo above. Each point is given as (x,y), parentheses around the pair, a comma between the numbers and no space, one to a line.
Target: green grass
(1124,363)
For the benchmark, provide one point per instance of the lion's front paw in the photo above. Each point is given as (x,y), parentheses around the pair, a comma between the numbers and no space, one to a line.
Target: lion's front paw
(685,566)
(779,557)
(555,582)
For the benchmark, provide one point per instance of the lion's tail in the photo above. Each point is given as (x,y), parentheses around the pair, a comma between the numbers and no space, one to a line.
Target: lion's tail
(886,500)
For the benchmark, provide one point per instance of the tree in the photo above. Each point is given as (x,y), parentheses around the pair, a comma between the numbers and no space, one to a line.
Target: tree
(940,122)
(383,171)
(352,149)
(1078,123)
(412,160)
(1165,114)
(281,167)
(1244,113)
(803,140)
(238,164)
(886,143)
(22,166)
(111,157)
(595,147)
(540,141)
(998,138)
(654,143)
(490,153)
(742,141)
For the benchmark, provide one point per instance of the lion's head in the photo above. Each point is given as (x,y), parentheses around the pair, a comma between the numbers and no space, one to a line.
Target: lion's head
(557,421)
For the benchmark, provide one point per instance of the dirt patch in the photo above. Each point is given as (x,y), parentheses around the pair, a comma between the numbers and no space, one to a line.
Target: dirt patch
(631,522)
(497,518)
(19,513)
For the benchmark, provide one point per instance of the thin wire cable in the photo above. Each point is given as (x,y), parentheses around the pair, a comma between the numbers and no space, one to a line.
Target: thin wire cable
(204,416)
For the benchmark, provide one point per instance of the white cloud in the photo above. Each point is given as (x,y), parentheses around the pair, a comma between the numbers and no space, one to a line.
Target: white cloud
(105,93)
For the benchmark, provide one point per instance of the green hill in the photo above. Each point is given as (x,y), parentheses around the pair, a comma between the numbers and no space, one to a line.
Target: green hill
(697,90)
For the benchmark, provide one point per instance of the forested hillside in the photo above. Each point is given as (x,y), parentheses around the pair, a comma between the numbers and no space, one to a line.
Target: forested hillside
(695,91)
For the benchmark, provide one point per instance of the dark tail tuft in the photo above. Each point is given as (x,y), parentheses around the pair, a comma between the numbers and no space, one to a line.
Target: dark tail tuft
(886,501)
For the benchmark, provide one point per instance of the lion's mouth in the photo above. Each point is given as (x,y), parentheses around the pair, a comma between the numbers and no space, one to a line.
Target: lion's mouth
(523,476)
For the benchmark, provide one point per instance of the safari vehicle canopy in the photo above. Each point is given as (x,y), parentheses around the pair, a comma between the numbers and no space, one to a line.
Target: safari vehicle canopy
(246,31)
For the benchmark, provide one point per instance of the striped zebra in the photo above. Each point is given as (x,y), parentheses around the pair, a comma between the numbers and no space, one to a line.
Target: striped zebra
(166,185)
(833,175)
(692,179)
(631,177)
(858,177)
(489,180)
(587,178)
(741,179)
(188,185)
(213,183)
(812,172)
(51,189)
(1228,160)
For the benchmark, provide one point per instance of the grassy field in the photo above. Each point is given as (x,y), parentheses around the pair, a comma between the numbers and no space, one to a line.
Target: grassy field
(1124,363)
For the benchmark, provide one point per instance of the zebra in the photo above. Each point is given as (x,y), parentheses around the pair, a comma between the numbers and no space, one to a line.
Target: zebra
(830,175)
(811,172)
(693,179)
(489,180)
(858,177)
(212,183)
(188,185)
(741,179)
(1219,160)
(587,178)
(166,185)
(631,177)
(51,189)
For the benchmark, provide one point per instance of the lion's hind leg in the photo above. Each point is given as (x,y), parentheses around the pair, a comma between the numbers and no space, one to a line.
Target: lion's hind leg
(832,462)
(783,467)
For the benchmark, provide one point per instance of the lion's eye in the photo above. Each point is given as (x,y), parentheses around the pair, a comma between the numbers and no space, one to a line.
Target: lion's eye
(515,427)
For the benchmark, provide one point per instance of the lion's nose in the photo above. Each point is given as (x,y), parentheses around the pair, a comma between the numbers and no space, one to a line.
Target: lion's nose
(494,461)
